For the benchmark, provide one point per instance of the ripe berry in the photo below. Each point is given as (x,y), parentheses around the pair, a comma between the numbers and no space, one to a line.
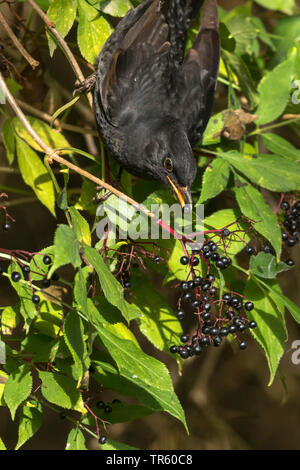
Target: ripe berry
(180,314)
(249,250)
(102,440)
(198,281)
(284,236)
(195,303)
(47,259)
(196,261)
(205,341)
(291,242)
(226,297)
(46,282)
(249,306)
(207,307)
(206,330)
(100,404)
(156,259)
(224,331)
(173,349)
(243,345)
(241,327)
(26,269)
(191,284)
(184,338)
(15,276)
(234,302)
(232,329)
(206,286)
(208,254)
(197,349)
(252,324)
(215,256)
(284,206)
(127,284)
(187,297)
(35,299)
(217,341)
(211,277)
(184,354)
(213,247)
(290,262)
(196,250)
(213,291)
(205,248)
(107,409)
(214,331)
(6,226)
(267,249)
(226,232)
(55,277)
(220,264)
(184,285)
(206,316)
(184,260)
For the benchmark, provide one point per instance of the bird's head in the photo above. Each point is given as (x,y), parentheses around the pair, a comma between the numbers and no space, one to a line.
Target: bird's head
(162,152)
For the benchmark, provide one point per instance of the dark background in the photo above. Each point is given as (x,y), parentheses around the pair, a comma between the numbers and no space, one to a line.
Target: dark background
(224,393)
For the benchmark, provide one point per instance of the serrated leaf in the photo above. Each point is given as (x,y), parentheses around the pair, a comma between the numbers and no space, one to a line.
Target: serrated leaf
(144,371)
(268,171)
(73,336)
(62,13)
(278,145)
(215,179)
(76,440)
(66,248)
(35,174)
(271,331)
(93,31)
(253,206)
(274,98)
(265,265)
(61,391)
(17,388)
(8,138)
(212,133)
(80,226)
(30,422)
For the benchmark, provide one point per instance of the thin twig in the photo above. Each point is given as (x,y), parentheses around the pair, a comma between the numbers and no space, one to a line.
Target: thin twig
(62,43)
(32,62)
(58,124)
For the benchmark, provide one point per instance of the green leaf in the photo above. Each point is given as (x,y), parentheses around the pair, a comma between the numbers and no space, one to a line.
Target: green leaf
(117,8)
(268,171)
(10,319)
(253,206)
(215,179)
(212,133)
(244,32)
(8,138)
(280,146)
(144,371)
(76,440)
(80,226)
(62,13)
(2,445)
(17,388)
(286,6)
(66,248)
(27,307)
(112,289)
(114,445)
(41,348)
(3,380)
(73,336)
(30,422)
(50,136)
(265,265)
(288,304)
(274,98)
(157,321)
(93,31)
(287,30)
(35,174)
(61,391)
(271,331)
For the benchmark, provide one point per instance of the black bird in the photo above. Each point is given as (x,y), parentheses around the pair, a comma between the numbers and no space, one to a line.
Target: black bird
(153,103)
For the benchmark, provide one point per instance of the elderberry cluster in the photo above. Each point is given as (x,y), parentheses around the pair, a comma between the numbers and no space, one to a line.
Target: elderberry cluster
(216,317)
(291,225)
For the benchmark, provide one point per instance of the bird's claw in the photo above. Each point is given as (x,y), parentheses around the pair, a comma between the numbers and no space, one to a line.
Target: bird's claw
(81,88)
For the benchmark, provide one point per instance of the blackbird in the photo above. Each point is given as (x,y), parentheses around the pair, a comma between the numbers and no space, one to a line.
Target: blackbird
(152,102)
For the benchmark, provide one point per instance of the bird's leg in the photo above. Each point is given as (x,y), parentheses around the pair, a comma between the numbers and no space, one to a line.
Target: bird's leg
(86,86)
(116,183)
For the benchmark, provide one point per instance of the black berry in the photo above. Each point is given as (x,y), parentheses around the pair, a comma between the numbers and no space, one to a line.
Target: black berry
(243,345)
(6,226)
(47,259)
(100,404)
(226,232)
(180,314)
(249,306)
(173,349)
(253,324)
(184,260)
(290,262)
(156,259)
(15,276)
(284,206)
(249,250)
(184,338)
(46,282)
(36,299)
(102,440)
(107,409)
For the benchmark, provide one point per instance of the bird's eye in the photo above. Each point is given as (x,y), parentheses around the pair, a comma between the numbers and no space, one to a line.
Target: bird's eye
(168,164)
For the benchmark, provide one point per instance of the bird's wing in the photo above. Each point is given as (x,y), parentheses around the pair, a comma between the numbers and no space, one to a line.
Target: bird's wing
(136,66)
(197,78)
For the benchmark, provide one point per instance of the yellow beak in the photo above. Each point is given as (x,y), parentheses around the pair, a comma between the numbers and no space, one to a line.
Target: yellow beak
(182,193)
